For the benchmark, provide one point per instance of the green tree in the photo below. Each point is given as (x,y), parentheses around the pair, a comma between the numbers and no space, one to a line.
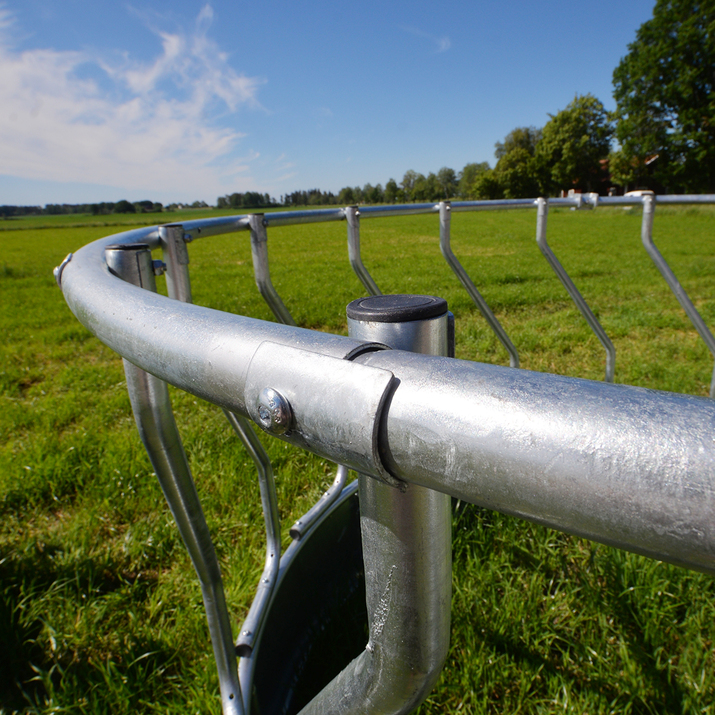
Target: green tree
(517,173)
(448,184)
(520,138)
(573,147)
(391,192)
(665,95)
(466,181)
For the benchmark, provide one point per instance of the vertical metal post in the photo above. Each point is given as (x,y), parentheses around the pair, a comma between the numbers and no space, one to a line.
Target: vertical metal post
(407,547)
(352,214)
(445,216)
(673,282)
(259,253)
(157,428)
(176,257)
(542,212)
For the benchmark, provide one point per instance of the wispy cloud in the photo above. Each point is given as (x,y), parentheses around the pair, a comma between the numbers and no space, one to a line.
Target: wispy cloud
(441,43)
(80,117)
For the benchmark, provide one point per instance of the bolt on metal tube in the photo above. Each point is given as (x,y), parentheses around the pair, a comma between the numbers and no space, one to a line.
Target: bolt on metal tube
(673,282)
(407,546)
(446,249)
(542,212)
(154,417)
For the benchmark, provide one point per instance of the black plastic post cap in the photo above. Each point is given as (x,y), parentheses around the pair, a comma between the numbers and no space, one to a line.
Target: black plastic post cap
(396,308)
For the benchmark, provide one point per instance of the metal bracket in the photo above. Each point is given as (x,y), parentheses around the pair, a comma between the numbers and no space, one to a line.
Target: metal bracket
(347,415)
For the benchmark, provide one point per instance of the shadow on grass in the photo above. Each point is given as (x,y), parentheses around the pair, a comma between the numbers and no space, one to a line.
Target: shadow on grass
(32,666)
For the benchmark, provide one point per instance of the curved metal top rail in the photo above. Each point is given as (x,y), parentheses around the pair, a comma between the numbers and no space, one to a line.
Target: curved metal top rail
(200,228)
(618,464)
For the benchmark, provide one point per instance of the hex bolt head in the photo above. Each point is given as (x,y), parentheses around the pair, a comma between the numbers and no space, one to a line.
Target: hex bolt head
(274,411)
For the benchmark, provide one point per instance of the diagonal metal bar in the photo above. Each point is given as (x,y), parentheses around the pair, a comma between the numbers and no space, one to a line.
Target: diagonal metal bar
(542,212)
(673,282)
(261,271)
(446,249)
(154,417)
(352,214)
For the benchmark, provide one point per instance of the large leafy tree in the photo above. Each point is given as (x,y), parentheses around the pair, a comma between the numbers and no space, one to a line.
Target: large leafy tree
(665,95)
(517,170)
(574,145)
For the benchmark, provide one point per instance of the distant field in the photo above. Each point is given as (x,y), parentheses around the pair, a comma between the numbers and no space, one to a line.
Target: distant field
(99,607)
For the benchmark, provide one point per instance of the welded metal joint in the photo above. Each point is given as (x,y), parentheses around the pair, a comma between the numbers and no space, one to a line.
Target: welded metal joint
(274,411)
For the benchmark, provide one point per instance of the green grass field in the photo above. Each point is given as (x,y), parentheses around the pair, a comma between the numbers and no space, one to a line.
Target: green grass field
(99,608)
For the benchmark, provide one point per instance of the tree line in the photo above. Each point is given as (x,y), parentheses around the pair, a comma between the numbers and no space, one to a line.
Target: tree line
(660,137)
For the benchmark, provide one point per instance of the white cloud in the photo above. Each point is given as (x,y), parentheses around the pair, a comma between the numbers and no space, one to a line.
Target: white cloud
(442,43)
(159,126)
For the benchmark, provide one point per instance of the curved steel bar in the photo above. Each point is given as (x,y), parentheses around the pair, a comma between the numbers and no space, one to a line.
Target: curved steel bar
(307,521)
(259,253)
(398,210)
(149,397)
(542,212)
(618,464)
(492,205)
(269,500)
(353,216)
(673,282)
(179,288)
(290,218)
(446,248)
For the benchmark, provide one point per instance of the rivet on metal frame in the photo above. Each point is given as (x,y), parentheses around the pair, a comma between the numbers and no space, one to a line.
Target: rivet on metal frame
(274,411)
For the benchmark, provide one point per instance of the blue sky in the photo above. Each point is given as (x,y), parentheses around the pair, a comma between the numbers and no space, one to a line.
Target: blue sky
(182,100)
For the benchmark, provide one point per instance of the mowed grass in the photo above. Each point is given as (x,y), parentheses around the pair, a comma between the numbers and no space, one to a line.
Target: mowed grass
(100,610)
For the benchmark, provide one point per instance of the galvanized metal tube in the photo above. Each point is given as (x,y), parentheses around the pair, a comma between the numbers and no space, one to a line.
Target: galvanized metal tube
(353,219)
(407,540)
(308,520)
(446,248)
(176,257)
(292,218)
(251,626)
(259,252)
(154,417)
(622,465)
(179,288)
(542,212)
(673,282)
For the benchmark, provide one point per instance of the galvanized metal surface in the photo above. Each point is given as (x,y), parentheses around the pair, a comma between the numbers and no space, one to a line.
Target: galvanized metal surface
(673,282)
(629,467)
(353,218)
(445,247)
(154,417)
(618,464)
(407,550)
(259,253)
(542,212)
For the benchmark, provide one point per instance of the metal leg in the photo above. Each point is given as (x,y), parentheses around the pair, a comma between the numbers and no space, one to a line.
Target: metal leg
(466,281)
(259,252)
(673,282)
(155,421)
(542,212)
(407,546)
(352,214)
